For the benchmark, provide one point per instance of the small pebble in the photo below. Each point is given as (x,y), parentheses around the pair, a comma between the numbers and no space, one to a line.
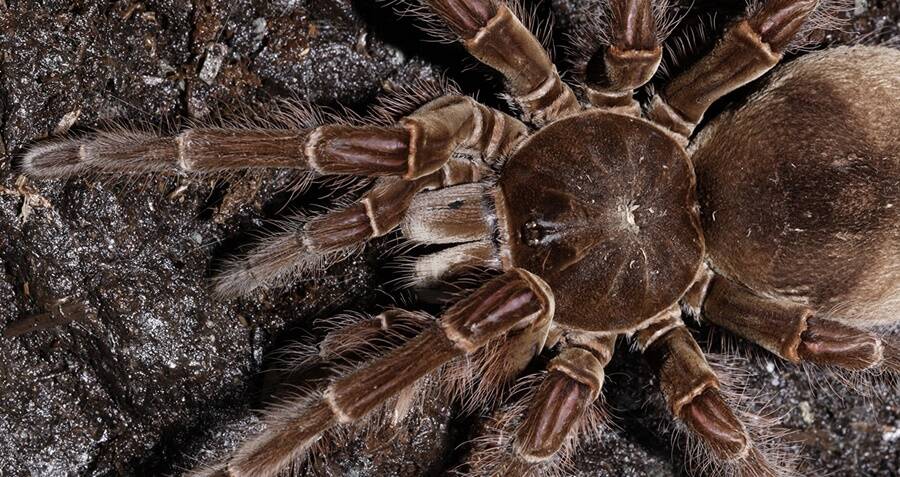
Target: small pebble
(215,55)
(806,412)
(891,435)
(260,29)
(66,122)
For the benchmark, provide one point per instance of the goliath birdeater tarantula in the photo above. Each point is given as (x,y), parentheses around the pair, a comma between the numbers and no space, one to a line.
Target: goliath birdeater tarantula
(779,221)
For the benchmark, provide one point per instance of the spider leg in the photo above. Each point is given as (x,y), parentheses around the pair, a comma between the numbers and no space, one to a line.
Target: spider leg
(383,208)
(304,370)
(515,300)
(747,50)
(352,339)
(793,332)
(312,244)
(691,389)
(629,61)
(552,417)
(420,145)
(572,385)
(493,34)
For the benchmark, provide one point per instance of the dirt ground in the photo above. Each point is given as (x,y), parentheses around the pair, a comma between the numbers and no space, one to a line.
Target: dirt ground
(117,360)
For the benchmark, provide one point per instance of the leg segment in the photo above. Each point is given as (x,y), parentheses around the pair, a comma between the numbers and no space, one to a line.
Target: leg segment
(533,436)
(748,50)
(512,301)
(691,387)
(629,61)
(572,385)
(493,35)
(420,145)
(304,368)
(322,239)
(792,331)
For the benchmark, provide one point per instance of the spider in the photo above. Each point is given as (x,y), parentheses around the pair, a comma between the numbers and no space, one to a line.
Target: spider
(601,217)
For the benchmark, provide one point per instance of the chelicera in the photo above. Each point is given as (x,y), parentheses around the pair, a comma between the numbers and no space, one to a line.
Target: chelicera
(778,221)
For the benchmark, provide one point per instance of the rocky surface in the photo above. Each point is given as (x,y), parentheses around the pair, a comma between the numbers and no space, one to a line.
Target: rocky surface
(116,358)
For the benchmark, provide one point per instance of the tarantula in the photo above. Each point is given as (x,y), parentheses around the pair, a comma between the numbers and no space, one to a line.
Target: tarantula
(779,222)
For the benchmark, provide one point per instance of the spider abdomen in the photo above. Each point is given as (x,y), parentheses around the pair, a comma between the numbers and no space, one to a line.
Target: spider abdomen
(603,208)
(800,188)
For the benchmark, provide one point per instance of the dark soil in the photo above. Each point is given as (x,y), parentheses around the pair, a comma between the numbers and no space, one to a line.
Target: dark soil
(116,358)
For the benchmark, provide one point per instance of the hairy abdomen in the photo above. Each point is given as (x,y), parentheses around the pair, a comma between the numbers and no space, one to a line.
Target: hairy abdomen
(800,188)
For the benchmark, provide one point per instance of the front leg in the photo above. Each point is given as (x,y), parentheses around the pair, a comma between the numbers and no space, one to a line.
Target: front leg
(629,61)
(419,151)
(419,145)
(495,36)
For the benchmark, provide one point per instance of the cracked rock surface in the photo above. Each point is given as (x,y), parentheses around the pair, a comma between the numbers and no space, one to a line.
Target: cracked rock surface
(116,359)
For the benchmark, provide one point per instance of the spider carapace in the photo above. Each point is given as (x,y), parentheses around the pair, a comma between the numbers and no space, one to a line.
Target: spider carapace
(603,208)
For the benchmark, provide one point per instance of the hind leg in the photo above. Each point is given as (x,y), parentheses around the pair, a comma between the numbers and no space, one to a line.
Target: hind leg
(793,331)
(747,50)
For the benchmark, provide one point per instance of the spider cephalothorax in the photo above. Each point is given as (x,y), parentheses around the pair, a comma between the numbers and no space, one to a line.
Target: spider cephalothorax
(602,207)
(778,221)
